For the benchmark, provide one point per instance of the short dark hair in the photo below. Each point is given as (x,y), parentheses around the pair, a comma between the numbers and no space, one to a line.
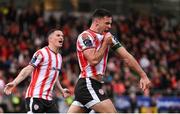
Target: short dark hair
(52,30)
(100,13)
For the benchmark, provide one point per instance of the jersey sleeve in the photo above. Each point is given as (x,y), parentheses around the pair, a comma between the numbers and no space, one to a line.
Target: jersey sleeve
(85,41)
(36,59)
(116,44)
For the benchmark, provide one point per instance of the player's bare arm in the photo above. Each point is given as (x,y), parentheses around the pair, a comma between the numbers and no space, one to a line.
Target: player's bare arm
(94,56)
(132,63)
(64,91)
(24,73)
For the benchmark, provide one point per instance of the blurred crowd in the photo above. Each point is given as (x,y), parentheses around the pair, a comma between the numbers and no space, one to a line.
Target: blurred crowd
(154,40)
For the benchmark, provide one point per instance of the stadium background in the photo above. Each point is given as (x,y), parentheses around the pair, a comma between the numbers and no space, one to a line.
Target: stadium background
(149,29)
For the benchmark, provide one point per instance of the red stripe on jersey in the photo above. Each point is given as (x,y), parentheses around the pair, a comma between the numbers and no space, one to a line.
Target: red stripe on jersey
(82,60)
(35,76)
(54,77)
(105,61)
(47,73)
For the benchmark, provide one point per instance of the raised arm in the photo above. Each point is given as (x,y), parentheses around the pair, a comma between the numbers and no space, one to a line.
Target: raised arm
(24,73)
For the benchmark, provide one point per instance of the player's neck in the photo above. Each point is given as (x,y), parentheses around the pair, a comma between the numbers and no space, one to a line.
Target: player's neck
(95,29)
(53,49)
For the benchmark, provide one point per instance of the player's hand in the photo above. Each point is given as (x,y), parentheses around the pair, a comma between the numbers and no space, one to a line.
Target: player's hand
(66,93)
(108,38)
(9,88)
(145,83)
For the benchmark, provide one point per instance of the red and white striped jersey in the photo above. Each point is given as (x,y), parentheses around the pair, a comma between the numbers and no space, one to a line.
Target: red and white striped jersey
(47,67)
(90,39)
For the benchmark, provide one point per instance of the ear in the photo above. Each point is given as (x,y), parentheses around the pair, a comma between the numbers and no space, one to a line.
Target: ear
(49,38)
(96,21)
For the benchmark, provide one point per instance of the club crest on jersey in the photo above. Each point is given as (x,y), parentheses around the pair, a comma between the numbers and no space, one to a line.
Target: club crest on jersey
(36,106)
(101,91)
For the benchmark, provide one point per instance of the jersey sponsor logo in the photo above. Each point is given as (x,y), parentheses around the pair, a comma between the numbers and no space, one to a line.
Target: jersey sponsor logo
(101,91)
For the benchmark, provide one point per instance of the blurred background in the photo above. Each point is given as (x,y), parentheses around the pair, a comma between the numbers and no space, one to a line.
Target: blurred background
(148,29)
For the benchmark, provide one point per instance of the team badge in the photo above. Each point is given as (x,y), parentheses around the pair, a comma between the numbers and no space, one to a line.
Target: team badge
(101,91)
(36,107)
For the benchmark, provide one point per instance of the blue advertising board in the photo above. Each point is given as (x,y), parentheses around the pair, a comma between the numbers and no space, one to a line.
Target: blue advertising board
(122,102)
(143,101)
(166,103)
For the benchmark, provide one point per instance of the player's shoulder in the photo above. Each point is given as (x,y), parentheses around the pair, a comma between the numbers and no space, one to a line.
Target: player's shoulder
(41,50)
(84,35)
